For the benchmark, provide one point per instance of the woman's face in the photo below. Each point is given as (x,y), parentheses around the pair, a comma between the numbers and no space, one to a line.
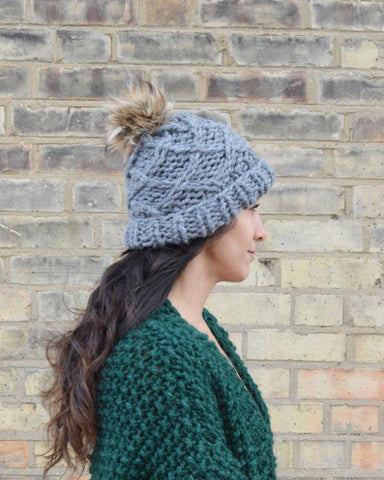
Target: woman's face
(229,256)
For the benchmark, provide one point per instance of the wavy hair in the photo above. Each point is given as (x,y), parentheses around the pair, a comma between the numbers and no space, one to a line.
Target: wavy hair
(129,290)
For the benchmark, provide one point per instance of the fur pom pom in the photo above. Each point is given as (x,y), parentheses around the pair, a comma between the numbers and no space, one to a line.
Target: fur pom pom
(141,110)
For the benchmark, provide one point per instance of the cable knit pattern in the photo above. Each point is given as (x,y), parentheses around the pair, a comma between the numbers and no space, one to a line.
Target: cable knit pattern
(188,179)
(172,407)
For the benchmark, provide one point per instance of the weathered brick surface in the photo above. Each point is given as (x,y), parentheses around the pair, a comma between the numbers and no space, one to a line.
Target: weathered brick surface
(332,273)
(362,53)
(355,420)
(352,15)
(78,158)
(359,163)
(60,121)
(367,311)
(249,13)
(313,236)
(281,50)
(322,310)
(168,12)
(14,82)
(302,80)
(120,12)
(167,48)
(341,384)
(37,233)
(352,89)
(277,124)
(96,197)
(322,455)
(258,87)
(14,159)
(12,10)
(29,196)
(84,46)
(25,44)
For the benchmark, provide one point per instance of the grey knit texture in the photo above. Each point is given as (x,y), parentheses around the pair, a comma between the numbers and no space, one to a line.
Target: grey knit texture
(188,179)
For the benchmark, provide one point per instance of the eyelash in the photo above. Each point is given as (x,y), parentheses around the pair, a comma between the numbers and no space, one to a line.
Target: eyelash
(253,209)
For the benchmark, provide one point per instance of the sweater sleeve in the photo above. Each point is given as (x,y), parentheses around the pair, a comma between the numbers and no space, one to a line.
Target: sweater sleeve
(169,423)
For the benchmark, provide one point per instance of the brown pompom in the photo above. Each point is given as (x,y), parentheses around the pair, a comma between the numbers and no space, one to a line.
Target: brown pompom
(141,110)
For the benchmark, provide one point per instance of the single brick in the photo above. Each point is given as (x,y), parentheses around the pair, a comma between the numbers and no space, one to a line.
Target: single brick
(367,455)
(97,197)
(55,306)
(367,310)
(15,305)
(81,82)
(82,46)
(78,158)
(180,48)
(341,384)
(22,417)
(29,196)
(273,344)
(293,161)
(13,344)
(14,82)
(369,348)
(272,382)
(24,44)
(367,127)
(348,420)
(281,50)
(14,158)
(368,201)
(113,12)
(251,309)
(303,199)
(86,122)
(50,270)
(112,232)
(349,88)
(313,236)
(327,273)
(262,86)
(29,232)
(168,12)
(177,85)
(319,310)
(305,418)
(362,53)
(13,453)
(359,163)
(321,454)
(350,15)
(36,381)
(8,382)
(377,238)
(283,450)
(267,13)
(12,10)
(296,125)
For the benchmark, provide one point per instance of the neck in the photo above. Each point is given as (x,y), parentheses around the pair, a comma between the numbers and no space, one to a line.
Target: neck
(191,289)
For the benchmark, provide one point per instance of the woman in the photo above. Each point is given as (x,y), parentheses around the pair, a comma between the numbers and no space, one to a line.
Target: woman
(148,385)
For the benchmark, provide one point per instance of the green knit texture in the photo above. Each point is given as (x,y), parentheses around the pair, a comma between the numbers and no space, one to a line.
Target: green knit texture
(171,406)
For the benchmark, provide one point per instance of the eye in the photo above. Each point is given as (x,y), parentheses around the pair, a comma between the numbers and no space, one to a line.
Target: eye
(254,207)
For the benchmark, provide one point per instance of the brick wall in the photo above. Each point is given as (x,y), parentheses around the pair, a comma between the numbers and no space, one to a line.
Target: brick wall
(304,82)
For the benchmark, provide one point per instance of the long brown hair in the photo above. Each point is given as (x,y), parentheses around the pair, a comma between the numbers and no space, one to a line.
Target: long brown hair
(129,290)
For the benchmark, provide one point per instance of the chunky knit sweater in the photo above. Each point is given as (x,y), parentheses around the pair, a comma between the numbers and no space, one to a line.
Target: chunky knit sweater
(171,407)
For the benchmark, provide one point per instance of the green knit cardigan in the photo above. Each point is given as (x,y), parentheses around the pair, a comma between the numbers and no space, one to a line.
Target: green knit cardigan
(170,406)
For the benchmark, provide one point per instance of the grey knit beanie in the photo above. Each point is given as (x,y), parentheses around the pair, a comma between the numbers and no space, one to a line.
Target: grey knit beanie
(186,178)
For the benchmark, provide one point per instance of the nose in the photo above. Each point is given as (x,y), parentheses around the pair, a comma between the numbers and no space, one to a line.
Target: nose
(259,233)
